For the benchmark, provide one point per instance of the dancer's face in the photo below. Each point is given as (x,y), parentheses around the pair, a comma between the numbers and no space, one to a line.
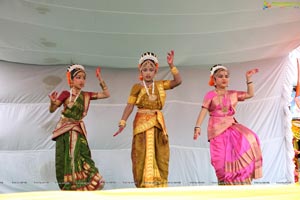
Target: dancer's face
(79,80)
(221,78)
(148,71)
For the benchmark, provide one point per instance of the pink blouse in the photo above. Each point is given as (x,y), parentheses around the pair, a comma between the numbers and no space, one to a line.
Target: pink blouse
(221,110)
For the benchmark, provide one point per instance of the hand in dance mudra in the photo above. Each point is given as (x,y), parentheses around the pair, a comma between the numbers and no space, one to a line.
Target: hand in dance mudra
(197,132)
(121,128)
(170,58)
(251,72)
(53,96)
(98,74)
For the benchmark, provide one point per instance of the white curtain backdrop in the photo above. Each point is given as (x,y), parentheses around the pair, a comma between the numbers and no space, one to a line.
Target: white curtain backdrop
(27,151)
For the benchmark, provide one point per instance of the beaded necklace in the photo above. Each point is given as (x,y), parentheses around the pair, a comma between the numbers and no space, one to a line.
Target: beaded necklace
(152,96)
(71,103)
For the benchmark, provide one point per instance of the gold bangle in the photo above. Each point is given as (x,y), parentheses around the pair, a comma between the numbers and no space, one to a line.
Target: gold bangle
(52,105)
(122,122)
(174,70)
(103,85)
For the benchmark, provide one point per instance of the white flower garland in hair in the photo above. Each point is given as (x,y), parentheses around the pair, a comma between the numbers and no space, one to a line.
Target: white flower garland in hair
(75,67)
(216,68)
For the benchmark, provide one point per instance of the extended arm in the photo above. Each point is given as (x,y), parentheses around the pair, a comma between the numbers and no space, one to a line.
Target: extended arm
(250,85)
(201,117)
(126,113)
(105,92)
(176,75)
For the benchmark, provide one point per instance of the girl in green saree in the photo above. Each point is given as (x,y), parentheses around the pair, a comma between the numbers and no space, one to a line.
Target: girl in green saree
(75,169)
(150,147)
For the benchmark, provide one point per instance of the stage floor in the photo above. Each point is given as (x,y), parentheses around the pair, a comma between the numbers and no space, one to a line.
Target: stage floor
(264,192)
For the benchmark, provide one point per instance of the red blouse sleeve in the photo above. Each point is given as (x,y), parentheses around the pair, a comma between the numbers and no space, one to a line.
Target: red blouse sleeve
(93,95)
(63,96)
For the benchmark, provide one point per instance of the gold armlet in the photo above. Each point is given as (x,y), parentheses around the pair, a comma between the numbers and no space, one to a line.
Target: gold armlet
(103,85)
(174,70)
(122,123)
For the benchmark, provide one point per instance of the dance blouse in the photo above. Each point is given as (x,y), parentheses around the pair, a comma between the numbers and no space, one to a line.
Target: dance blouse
(149,114)
(71,117)
(221,110)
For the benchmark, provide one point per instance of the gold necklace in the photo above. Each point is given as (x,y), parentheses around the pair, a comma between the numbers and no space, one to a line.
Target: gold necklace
(223,101)
(152,96)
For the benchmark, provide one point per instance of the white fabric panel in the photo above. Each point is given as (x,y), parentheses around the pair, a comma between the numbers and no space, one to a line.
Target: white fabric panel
(115,32)
(27,150)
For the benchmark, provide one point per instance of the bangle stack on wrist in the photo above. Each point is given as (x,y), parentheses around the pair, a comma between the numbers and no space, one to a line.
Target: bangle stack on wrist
(122,123)
(174,70)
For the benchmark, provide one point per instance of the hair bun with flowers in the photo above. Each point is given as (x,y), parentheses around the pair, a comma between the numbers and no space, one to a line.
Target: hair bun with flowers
(72,71)
(212,72)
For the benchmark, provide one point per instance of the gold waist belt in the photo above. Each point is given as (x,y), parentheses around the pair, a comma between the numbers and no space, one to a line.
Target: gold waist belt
(147,111)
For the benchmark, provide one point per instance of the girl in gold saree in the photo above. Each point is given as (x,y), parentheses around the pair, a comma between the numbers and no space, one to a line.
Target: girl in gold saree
(150,147)
(75,169)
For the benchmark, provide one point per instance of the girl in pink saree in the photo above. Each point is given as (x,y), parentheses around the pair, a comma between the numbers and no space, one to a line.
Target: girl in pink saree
(235,149)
